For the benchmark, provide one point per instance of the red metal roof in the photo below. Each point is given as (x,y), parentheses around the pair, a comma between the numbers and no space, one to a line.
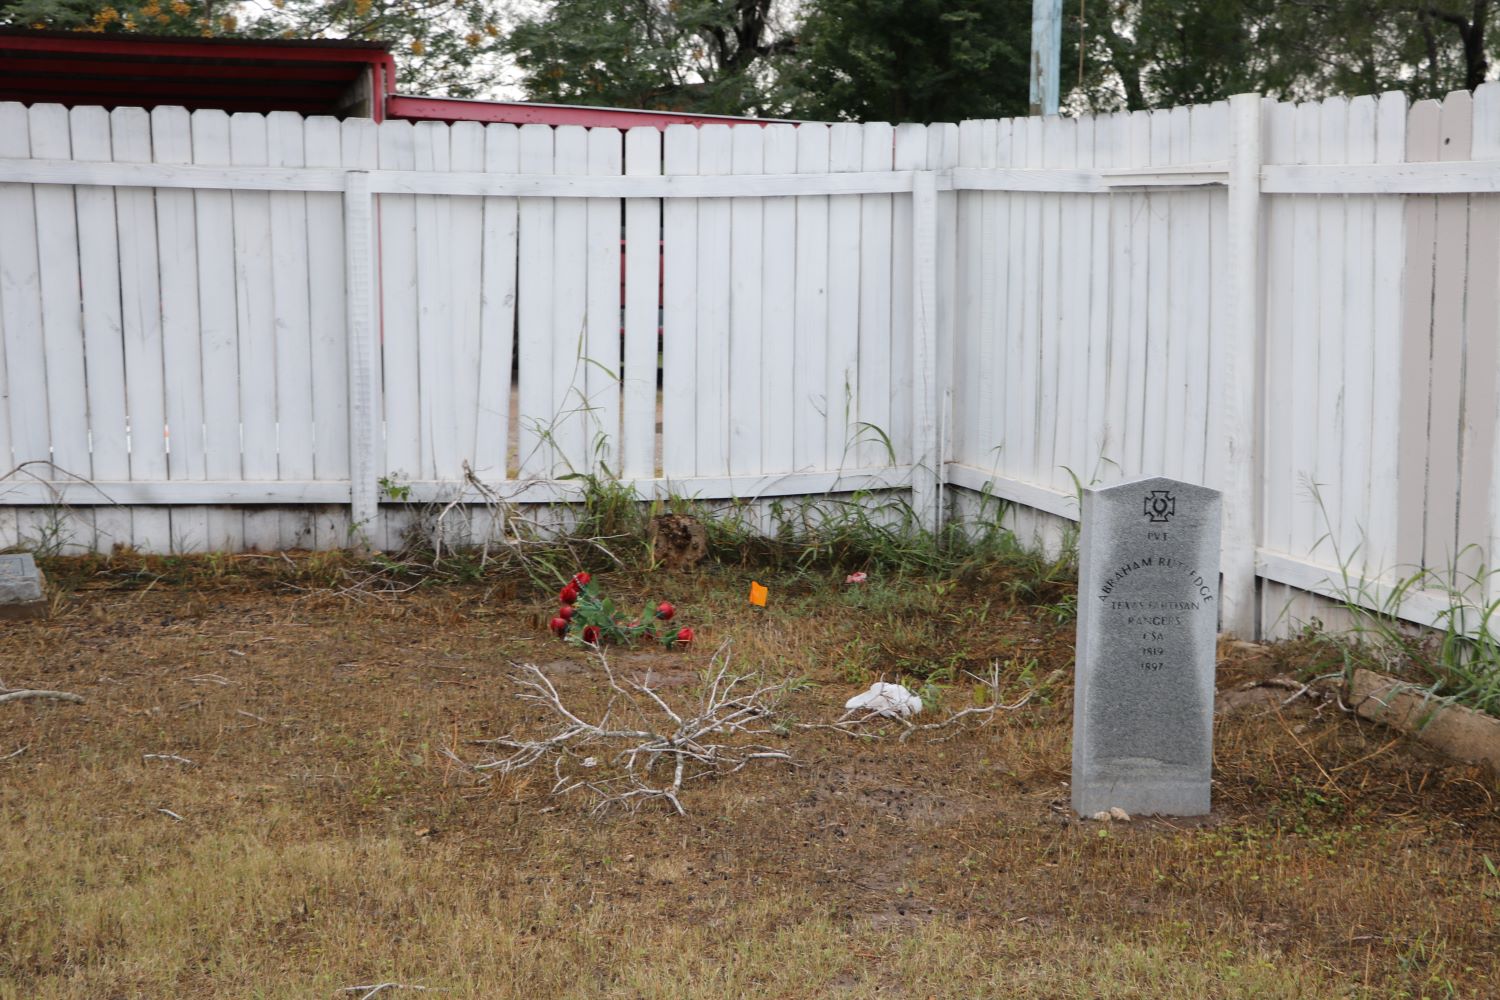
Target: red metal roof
(447,109)
(308,76)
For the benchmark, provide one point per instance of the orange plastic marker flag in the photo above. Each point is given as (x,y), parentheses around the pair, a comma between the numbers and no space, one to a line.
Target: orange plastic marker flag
(758,594)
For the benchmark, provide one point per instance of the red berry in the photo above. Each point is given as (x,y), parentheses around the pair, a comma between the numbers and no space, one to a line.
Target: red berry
(591,634)
(581,579)
(558,625)
(685,636)
(566,612)
(569,594)
(665,611)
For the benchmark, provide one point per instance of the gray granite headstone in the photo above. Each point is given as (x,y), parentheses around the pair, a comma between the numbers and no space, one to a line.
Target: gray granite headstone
(1148,612)
(21,594)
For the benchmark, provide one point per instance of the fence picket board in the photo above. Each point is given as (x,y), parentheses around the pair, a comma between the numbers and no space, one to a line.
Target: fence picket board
(1158,346)
(1422,139)
(1115,437)
(1478,522)
(182,366)
(1276,491)
(778,318)
(970,281)
(1329,350)
(141,328)
(711,388)
(103,346)
(1358,342)
(1479,360)
(569,305)
(1301,360)
(292,322)
(809,373)
(1078,304)
(218,328)
(1000,280)
(63,334)
(1440,549)
(327,351)
(1020,346)
(846,145)
(534,304)
(493,429)
(400,358)
(437,455)
(1133,457)
(1102,375)
(679,445)
(1203,275)
(1059,147)
(746,305)
(875,326)
(358,149)
(256,313)
(25,434)
(644,309)
(607,278)
(466,269)
(1183,342)
(12,286)
(910,153)
(1390,244)
(942,154)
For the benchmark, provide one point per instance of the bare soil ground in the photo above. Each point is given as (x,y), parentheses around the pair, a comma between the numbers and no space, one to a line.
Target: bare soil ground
(318,839)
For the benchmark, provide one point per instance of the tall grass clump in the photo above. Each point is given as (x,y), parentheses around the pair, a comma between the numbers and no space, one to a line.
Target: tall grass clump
(1456,657)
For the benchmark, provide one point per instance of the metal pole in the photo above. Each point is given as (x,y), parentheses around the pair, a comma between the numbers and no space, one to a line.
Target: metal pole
(1046,55)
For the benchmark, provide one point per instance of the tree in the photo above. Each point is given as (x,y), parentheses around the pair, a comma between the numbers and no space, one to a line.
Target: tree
(706,56)
(912,60)
(1157,53)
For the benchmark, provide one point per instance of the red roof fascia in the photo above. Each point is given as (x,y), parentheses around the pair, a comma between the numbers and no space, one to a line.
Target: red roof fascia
(84,67)
(453,110)
(92,44)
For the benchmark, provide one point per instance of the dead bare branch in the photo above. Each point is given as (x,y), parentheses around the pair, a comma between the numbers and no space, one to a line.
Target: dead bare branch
(166,756)
(641,747)
(376,988)
(52,695)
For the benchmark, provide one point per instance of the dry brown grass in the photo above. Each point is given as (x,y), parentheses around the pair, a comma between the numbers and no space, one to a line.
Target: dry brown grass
(326,842)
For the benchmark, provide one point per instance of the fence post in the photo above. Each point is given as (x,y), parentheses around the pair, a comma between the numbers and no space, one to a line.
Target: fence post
(927,432)
(1241,377)
(359,260)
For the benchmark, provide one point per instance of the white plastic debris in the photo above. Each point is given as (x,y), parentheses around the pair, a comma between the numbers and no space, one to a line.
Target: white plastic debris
(886,699)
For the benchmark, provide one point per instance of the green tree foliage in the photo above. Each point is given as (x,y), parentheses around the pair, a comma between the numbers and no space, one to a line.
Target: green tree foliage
(705,56)
(912,60)
(1158,53)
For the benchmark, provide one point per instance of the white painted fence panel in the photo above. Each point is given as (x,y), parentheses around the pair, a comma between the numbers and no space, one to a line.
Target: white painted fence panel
(1029,301)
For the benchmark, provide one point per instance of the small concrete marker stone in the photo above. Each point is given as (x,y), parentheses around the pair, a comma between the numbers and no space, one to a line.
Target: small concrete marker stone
(1148,611)
(21,591)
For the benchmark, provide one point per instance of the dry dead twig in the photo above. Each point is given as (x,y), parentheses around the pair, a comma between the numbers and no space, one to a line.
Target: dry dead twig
(642,747)
(51,695)
(373,989)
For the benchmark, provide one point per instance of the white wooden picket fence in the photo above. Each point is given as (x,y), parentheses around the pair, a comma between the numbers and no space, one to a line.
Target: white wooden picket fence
(227,331)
